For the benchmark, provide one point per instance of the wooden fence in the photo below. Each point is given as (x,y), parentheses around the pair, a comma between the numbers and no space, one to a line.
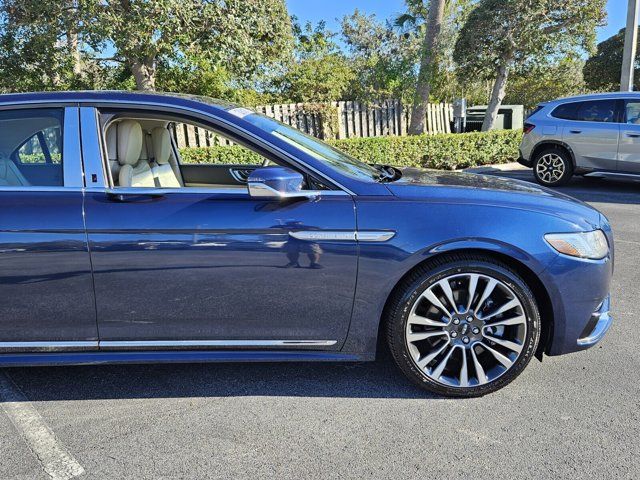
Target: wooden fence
(354,120)
(389,117)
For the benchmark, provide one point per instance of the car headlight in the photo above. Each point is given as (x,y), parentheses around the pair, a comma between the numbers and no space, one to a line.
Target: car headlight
(592,245)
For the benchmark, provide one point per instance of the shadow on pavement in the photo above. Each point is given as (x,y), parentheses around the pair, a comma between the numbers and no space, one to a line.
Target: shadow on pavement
(379,379)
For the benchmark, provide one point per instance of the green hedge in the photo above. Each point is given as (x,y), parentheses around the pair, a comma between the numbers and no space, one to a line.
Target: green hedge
(444,151)
(39,158)
(225,154)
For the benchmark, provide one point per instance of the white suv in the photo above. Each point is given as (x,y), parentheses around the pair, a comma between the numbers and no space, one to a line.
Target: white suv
(591,135)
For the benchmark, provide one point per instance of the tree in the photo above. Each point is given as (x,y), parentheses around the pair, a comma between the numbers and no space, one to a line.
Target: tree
(39,45)
(244,36)
(318,71)
(382,57)
(602,70)
(445,85)
(546,80)
(194,77)
(502,34)
(429,60)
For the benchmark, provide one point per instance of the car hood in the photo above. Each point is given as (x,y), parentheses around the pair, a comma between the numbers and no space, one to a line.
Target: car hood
(458,187)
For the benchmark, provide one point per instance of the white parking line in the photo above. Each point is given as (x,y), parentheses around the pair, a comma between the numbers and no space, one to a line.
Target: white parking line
(54,459)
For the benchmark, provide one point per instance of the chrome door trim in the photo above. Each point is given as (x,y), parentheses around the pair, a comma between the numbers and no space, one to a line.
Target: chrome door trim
(157,192)
(177,344)
(72,346)
(48,346)
(349,236)
(38,188)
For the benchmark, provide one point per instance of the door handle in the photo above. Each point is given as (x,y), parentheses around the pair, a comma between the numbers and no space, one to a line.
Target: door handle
(575,131)
(129,194)
(633,135)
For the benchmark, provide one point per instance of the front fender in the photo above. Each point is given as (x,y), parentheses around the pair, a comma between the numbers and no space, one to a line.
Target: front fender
(426,229)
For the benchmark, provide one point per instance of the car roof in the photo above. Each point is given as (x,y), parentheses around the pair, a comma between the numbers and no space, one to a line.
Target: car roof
(594,96)
(98,96)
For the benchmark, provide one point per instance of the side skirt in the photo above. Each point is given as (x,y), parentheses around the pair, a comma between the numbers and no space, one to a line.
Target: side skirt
(173,356)
(614,175)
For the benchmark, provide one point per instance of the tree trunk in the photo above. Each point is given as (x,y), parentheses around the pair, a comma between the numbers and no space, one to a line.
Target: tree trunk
(145,74)
(497,95)
(73,43)
(74,49)
(428,65)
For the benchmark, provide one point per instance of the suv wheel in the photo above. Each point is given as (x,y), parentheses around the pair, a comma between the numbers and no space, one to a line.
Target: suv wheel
(463,326)
(552,167)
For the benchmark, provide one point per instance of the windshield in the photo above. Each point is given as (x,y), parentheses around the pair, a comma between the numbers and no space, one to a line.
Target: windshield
(310,145)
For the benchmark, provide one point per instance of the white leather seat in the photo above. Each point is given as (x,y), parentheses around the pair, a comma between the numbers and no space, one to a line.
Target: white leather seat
(112,151)
(134,171)
(163,170)
(10,176)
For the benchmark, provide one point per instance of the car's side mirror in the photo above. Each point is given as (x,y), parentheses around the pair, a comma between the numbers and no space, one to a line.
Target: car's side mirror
(277,182)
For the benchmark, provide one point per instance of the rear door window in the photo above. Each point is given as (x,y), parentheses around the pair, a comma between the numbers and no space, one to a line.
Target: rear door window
(31,148)
(603,111)
(566,111)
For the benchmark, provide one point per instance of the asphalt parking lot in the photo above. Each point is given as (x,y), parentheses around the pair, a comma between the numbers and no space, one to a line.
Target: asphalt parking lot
(573,416)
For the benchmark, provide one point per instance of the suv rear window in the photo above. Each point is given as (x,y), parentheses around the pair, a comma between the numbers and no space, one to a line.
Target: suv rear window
(591,111)
(535,110)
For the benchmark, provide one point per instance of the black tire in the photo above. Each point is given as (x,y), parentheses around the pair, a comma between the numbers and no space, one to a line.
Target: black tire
(548,163)
(410,290)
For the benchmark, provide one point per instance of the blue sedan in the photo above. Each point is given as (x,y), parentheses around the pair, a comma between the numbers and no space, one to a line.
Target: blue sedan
(266,244)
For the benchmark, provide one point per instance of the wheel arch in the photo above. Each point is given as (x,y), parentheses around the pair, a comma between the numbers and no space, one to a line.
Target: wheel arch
(545,144)
(532,280)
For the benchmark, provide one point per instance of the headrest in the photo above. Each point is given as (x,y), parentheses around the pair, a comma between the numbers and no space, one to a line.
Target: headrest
(129,142)
(112,142)
(161,145)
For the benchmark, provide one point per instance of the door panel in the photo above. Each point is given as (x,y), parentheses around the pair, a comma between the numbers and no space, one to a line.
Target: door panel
(212,266)
(594,144)
(45,275)
(629,149)
(45,279)
(629,143)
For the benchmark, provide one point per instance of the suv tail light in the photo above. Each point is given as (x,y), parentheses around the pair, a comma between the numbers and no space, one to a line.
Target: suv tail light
(528,127)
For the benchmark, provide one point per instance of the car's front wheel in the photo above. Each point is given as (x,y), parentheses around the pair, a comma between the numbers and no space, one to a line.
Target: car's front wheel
(464,325)
(552,167)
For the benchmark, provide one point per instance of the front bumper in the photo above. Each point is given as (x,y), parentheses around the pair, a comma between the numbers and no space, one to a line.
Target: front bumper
(598,325)
(579,293)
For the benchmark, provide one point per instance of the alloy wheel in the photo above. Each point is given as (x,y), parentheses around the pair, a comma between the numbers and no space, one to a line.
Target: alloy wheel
(466,330)
(550,168)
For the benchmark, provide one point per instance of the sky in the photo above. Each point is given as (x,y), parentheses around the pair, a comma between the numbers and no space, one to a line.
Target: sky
(332,10)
